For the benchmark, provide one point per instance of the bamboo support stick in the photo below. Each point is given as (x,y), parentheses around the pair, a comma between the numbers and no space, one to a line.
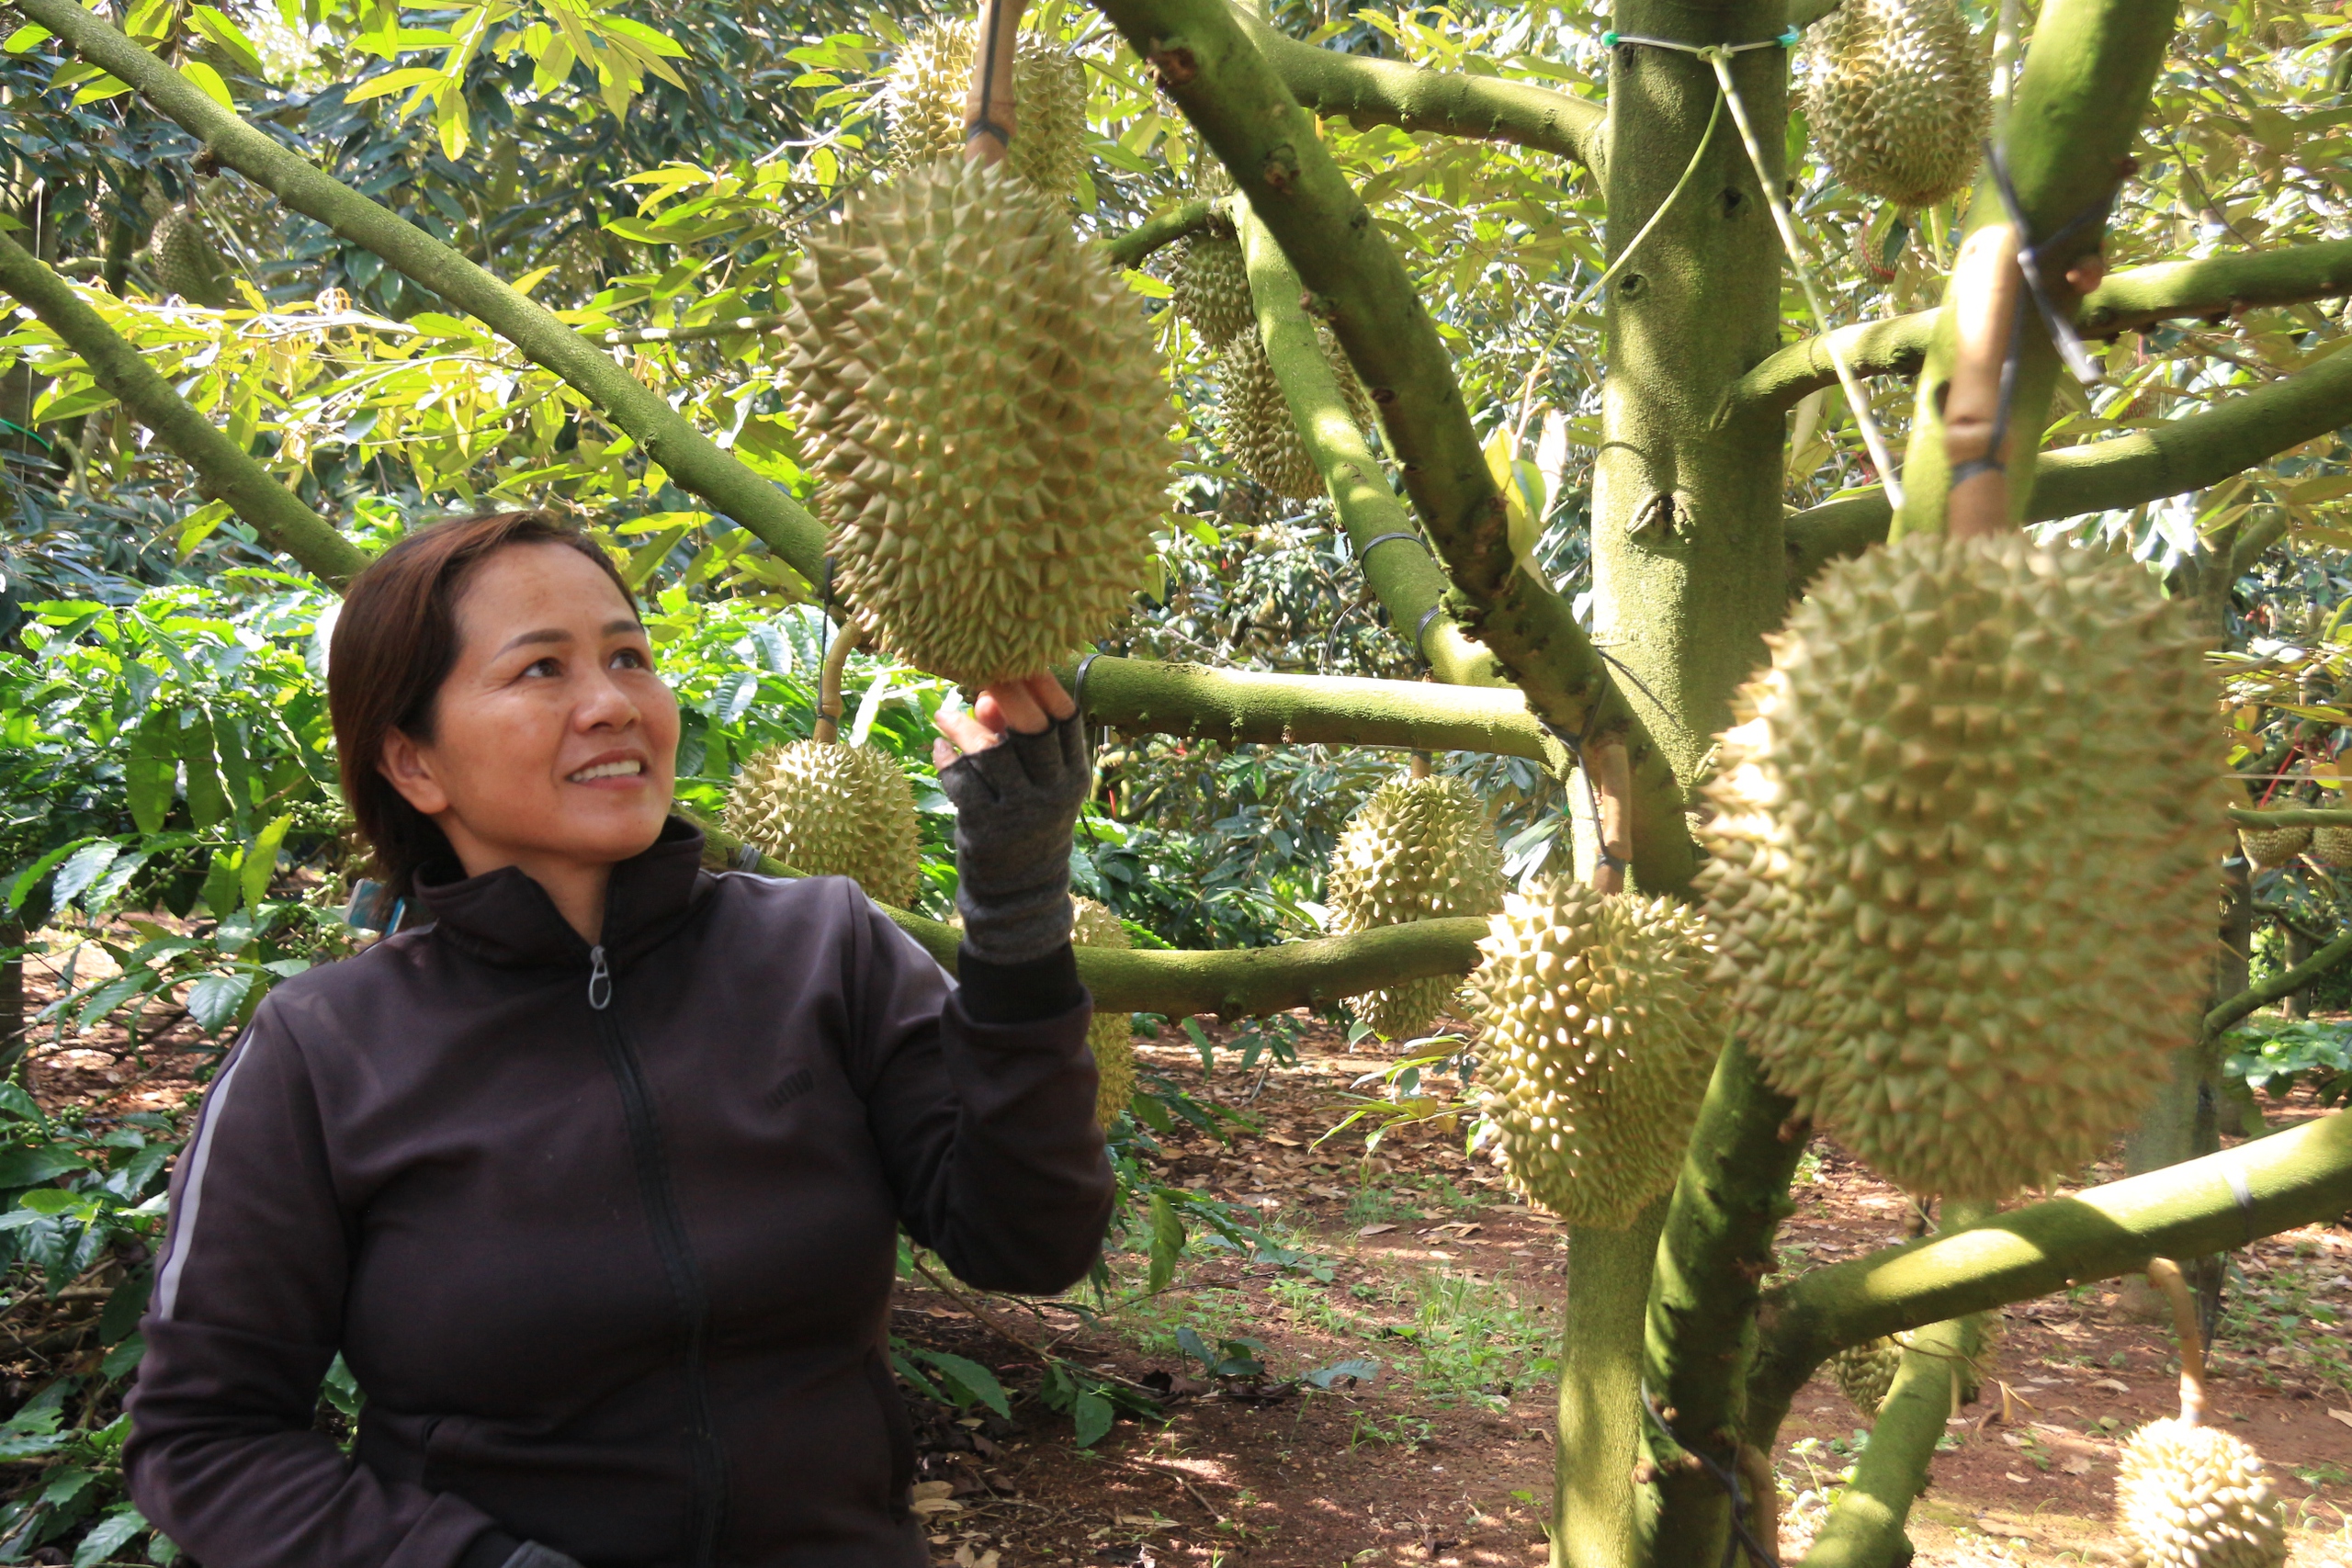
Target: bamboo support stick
(829,683)
(2165,1276)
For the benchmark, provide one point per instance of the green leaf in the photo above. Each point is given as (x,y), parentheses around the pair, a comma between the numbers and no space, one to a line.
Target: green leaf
(29,37)
(223,885)
(49,1200)
(1090,1417)
(29,1167)
(213,1000)
(85,866)
(124,1358)
(29,878)
(225,33)
(149,773)
(261,861)
(1167,1242)
(213,87)
(1199,1039)
(208,802)
(973,1378)
(107,1535)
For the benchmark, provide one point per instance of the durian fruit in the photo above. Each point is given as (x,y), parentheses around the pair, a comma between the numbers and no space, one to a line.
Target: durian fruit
(1865,1372)
(2271,848)
(1899,94)
(2332,847)
(187,258)
(1417,850)
(2193,1497)
(1962,865)
(1598,1043)
(1112,1035)
(1212,289)
(1254,419)
(931,77)
(826,809)
(988,419)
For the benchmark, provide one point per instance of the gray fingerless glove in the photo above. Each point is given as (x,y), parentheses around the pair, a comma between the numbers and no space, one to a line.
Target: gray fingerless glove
(1016,804)
(531,1555)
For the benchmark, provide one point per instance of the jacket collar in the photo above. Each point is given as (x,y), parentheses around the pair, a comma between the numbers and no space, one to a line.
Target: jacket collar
(505,917)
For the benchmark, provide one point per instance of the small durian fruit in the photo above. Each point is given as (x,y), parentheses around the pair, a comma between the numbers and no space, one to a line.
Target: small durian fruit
(187,258)
(1416,849)
(1211,287)
(1112,1035)
(988,419)
(826,809)
(1899,95)
(2194,1497)
(1865,1372)
(2332,847)
(931,76)
(1596,1046)
(1962,870)
(2267,849)
(1254,418)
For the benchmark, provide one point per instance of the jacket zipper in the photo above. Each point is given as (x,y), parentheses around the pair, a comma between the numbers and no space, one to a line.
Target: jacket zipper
(661,1199)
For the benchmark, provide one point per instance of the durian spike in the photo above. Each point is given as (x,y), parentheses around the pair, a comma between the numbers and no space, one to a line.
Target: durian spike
(2165,1276)
(1613,782)
(1989,293)
(990,114)
(829,683)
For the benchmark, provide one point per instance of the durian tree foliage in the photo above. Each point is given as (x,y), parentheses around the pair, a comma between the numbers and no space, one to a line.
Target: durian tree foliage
(1439,214)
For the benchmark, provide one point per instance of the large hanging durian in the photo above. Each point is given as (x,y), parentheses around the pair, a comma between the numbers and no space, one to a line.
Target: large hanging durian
(988,420)
(1417,850)
(1964,866)
(1865,1372)
(1254,418)
(1211,287)
(932,75)
(1112,1035)
(1899,93)
(1597,1045)
(826,809)
(2332,847)
(187,258)
(2266,849)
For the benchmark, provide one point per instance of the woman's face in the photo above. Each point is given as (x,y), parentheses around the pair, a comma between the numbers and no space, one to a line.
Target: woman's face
(554,744)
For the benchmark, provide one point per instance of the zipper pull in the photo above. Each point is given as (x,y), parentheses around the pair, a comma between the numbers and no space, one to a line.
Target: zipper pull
(600,979)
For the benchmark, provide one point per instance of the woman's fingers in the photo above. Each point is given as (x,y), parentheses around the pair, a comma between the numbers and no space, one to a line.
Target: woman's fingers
(962,731)
(1048,693)
(1011,705)
(1032,707)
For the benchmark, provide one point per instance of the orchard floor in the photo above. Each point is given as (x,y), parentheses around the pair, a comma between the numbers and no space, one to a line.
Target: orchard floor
(1452,1286)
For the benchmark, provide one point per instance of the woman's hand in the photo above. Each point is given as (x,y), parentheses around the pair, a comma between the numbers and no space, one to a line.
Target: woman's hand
(1030,706)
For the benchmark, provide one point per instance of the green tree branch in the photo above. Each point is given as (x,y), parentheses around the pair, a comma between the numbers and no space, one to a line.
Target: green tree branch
(1388,92)
(1159,229)
(2213,287)
(2286,982)
(664,435)
(1226,86)
(1865,1530)
(2291,1179)
(222,468)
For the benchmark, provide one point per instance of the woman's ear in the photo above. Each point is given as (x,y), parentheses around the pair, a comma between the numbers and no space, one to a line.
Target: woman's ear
(405,763)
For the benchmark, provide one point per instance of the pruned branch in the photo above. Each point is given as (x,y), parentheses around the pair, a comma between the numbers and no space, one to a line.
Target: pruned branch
(1142,696)
(2128,300)
(2200,1206)
(223,468)
(665,436)
(1159,229)
(1229,982)
(2284,984)
(1226,88)
(1412,97)
(2132,470)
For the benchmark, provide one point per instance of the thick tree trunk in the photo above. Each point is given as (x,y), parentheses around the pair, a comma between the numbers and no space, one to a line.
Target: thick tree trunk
(1598,1516)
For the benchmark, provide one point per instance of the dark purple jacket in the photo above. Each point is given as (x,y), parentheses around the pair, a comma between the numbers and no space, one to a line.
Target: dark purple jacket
(615,1278)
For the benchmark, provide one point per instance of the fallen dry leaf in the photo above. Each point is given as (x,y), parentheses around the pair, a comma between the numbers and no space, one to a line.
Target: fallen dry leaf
(1376,1230)
(2117,1384)
(2076,1464)
(2343,1415)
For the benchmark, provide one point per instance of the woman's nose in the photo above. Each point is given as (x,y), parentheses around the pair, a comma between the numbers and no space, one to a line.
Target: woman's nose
(607,705)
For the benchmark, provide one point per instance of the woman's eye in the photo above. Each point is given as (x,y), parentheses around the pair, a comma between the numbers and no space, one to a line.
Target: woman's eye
(629,658)
(542,668)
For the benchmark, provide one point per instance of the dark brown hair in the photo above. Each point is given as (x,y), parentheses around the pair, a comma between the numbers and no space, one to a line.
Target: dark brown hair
(394,643)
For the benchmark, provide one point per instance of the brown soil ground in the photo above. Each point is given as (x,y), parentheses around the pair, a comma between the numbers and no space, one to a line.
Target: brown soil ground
(1439,1273)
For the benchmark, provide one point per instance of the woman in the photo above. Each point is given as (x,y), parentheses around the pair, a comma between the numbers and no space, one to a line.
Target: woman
(594,1182)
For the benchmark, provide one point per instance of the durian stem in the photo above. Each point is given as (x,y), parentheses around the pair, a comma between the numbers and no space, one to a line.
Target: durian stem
(1987,295)
(223,468)
(1419,768)
(2080,102)
(2139,297)
(1613,783)
(1143,696)
(2165,1276)
(990,113)
(828,726)
(1180,222)
(2277,987)
(1865,1530)
(692,459)
(2182,1210)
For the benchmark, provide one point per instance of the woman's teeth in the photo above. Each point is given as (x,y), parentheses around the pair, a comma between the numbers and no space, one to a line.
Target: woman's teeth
(608,770)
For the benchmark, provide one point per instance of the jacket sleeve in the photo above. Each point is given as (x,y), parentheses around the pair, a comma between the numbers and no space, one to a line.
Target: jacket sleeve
(245,1318)
(985,1130)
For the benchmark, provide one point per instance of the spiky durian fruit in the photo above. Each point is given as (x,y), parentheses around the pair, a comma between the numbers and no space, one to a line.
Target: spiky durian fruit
(2271,848)
(1899,94)
(931,77)
(989,422)
(1963,866)
(1254,419)
(1865,1372)
(1417,850)
(1599,1039)
(187,258)
(2331,847)
(1210,285)
(1112,1035)
(826,809)
(2193,1497)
